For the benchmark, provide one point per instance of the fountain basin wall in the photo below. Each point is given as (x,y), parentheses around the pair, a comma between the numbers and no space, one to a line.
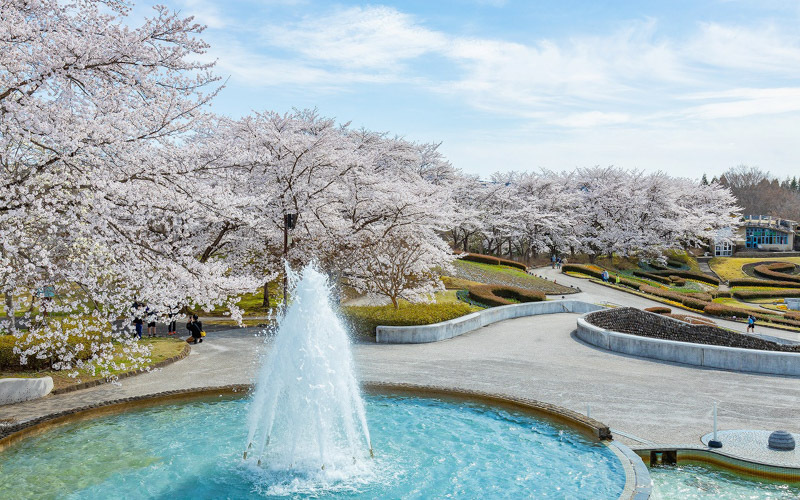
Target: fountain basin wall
(448,329)
(633,479)
(17,390)
(709,356)
(681,455)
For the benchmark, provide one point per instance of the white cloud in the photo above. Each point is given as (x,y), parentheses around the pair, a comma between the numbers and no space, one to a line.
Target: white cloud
(751,49)
(738,103)
(371,37)
(631,75)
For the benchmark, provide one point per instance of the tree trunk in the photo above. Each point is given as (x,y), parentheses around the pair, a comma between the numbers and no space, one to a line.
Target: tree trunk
(10,312)
(395,303)
(265,302)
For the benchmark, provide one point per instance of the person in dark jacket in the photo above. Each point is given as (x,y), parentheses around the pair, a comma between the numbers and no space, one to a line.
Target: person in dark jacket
(137,318)
(194,329)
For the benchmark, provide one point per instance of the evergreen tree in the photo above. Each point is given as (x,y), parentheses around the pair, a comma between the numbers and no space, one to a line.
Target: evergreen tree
(704,180)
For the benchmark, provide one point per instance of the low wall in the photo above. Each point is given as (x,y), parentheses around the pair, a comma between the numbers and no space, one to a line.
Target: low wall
(17,390)
(448,329)
(709,356)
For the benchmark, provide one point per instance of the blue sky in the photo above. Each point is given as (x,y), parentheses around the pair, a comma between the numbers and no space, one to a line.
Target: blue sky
(681,86)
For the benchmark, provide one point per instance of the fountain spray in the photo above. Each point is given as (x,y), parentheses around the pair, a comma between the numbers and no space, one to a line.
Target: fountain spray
(307,411)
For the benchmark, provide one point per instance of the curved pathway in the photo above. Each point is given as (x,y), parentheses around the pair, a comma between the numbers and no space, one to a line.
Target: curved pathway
(598,294)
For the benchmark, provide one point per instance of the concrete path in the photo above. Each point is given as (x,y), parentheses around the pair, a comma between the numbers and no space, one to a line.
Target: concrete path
(596,293)
(533,357)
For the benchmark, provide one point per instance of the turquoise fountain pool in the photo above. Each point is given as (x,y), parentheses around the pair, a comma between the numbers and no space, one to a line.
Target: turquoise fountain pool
(694,482)
(424,448)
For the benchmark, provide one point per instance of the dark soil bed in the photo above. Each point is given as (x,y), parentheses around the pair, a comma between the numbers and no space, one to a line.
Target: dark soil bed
(636,322)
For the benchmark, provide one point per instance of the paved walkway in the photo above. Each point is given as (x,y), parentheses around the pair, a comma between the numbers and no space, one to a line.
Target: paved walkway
(533,357)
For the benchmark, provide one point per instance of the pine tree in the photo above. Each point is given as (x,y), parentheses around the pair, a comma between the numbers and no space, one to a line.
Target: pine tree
(704,180)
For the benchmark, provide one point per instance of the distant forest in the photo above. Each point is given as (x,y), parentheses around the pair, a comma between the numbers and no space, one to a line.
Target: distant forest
(760,193)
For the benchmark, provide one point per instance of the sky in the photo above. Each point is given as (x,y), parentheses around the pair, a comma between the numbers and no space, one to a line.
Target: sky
(682,86)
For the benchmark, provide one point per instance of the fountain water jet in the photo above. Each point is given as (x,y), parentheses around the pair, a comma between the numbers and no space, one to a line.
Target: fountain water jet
(307,413)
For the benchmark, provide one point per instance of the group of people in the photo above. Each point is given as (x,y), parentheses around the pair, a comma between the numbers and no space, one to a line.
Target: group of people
(607,277)
(556,262)
(143,314)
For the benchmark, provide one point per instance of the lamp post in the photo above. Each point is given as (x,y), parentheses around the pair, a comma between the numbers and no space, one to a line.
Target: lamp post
(289,222)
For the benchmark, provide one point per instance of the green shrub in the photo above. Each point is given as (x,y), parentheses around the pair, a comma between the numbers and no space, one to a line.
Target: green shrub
(659,310)
(776,270)
(763,283)
(691,275)
(364,319)
(499,295)
(692,300)
(10,361)
(766,294)
(719,294)
(496,261)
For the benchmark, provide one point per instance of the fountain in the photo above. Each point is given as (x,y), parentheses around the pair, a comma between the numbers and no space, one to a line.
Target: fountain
(307,412)
(304,434)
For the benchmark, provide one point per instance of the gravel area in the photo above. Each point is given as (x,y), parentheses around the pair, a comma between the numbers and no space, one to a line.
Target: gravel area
(635,322)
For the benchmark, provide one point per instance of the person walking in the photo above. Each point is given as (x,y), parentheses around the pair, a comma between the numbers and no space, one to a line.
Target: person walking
(199,324)
(751,323)
(194,329)
(172,327)
(151,322)
(553,261)
(137,319)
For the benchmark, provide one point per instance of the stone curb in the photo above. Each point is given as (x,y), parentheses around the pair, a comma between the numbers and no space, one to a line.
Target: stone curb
(444,330)
(92,383)
(688,353)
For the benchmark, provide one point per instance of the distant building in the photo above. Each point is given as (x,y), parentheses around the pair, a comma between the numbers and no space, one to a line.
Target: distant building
(763,232)
(757,233)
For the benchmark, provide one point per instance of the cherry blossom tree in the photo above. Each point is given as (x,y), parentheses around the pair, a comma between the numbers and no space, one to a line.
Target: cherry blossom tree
(91,203)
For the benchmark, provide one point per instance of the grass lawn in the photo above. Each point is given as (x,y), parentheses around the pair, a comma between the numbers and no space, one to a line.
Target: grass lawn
(729,301)
(252,303)
(162,348)
(729,268)
(504,275)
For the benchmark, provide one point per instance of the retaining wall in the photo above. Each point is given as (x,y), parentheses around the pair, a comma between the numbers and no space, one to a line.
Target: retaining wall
(448,329)
(710,356)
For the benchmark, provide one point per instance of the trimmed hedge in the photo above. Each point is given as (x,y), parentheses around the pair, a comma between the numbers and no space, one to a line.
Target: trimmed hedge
(659,310)
(775,271)
(499,295)
(692,300)
(766,294)
(763,283)
(364,319)
(583,269)
(691,275)
(595,273)
(724,311)
(495,261)
(719,294)
(677,280)
(652,277)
